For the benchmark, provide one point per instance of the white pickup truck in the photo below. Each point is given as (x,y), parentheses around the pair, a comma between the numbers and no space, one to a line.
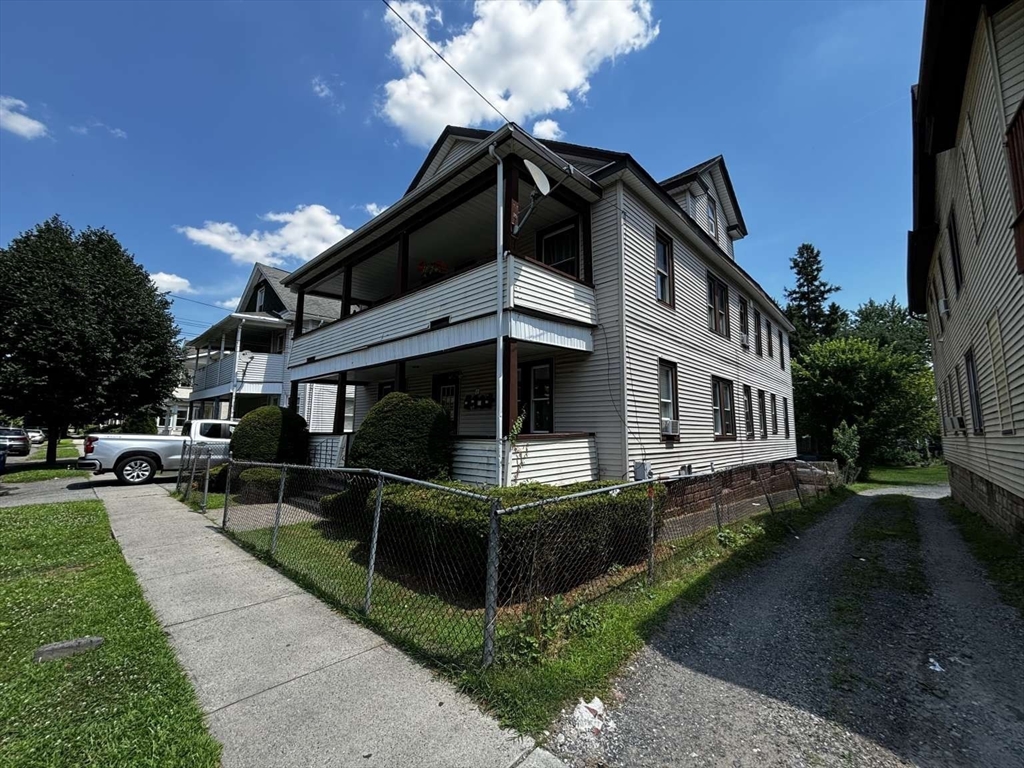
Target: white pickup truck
(136,459)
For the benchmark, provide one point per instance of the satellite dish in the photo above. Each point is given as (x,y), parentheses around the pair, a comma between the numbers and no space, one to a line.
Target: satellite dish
(246,355)
(540,180)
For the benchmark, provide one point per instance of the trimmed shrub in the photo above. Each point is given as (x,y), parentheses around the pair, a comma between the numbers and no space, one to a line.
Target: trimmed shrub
(544,550)
(271,434)
(405,436)
(218,478)
(259,485)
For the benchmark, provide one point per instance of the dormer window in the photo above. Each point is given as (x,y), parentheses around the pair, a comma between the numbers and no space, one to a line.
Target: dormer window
(261,295)
(712,216)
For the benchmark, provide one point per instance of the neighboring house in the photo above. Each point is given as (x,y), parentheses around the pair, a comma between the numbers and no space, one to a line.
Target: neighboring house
(175,410)
(247,357)
(966,251)
(618,326)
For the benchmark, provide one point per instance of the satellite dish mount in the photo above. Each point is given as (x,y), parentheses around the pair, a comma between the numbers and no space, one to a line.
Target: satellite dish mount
(541,188)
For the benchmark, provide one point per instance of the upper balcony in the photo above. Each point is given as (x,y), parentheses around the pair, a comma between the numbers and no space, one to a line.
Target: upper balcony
(245,351)
(433,283)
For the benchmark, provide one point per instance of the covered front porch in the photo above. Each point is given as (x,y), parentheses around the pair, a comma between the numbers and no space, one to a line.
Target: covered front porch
(542,409)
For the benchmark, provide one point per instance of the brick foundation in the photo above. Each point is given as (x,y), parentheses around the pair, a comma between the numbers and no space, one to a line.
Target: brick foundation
(999,506)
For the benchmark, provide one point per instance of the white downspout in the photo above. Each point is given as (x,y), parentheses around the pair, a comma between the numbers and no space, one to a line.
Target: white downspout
(499,339)
(234,370)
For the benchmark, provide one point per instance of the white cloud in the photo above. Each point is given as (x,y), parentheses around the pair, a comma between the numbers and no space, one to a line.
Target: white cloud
(166,281)
(304,233)
(547,129)
(374,209)
(83,130)
(12,119)
(321,88)
(529,59)
(229,303)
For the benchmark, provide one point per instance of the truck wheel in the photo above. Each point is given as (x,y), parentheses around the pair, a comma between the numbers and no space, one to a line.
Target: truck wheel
(136,470)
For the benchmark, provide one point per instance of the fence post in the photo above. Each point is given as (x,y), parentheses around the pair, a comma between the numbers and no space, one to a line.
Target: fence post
(491,595)
(206,480)
(650,534)
(277,515)
(764,488)
(227,495)
(373,545)
(192,472)
(796,482)
(181,465)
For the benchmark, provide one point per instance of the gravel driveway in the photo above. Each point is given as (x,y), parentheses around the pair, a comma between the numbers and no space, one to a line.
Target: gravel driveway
(829,655)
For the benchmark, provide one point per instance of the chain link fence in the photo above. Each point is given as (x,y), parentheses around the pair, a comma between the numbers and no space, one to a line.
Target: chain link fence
(200,465)
(463,576)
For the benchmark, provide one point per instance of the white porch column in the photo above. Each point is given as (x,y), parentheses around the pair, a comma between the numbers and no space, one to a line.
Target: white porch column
(234,369)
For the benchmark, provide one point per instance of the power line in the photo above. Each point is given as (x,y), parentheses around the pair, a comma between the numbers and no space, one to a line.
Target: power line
(194,301)
(442,58)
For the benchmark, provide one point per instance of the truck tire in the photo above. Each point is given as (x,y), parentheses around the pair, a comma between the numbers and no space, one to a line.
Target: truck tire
(136,470)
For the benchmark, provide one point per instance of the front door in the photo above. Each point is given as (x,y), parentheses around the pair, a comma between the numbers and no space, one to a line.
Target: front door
(446,392)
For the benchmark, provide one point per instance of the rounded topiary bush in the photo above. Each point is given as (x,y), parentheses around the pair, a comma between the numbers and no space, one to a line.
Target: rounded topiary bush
(271,434)
(405,436)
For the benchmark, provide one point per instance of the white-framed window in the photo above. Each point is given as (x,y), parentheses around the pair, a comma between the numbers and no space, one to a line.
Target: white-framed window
(663,268)
(667,391)
(712,216)
(261,296)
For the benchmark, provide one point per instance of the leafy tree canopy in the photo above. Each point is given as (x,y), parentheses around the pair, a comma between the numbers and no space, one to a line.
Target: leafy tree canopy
(84,333)
(890,324)
(806,306)
(888,395)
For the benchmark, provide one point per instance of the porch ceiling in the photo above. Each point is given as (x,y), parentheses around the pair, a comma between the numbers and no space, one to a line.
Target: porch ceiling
(230,324)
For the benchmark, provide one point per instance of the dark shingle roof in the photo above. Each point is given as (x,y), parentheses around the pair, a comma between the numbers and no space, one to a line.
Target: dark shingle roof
(315,306)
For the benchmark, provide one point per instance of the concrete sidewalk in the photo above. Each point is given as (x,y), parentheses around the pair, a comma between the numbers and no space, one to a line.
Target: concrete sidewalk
(284,680)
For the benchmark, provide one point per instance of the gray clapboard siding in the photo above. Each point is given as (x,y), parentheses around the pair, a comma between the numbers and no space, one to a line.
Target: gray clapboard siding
(1008,34)
(990,280)
(556,461)
(680,335)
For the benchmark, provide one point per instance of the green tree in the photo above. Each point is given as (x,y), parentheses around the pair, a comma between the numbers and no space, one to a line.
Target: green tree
(84,333)
(812,319)
(888,396)
(890,324)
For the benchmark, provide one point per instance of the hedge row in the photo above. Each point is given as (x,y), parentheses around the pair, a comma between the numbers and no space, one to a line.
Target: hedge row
(548,549)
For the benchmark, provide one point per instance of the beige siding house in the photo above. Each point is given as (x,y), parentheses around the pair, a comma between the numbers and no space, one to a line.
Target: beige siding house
(608,314)
(966,251)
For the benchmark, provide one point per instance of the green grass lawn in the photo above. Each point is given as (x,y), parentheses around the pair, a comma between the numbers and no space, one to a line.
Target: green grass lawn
(37,475)
(580,649)
(886,477)
(1002,558)
(63,452)
(127,703)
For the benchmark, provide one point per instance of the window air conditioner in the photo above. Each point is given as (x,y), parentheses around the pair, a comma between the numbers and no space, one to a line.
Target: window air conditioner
(944,306)
(669,427)
(745,340)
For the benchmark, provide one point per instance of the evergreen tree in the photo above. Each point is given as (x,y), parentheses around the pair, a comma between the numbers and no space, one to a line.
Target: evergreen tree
(890,324)
(805,304)
(84,333)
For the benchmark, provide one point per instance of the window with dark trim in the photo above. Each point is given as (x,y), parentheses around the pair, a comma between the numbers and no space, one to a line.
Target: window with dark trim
(954,250)
(942,277)
(748,411)
(445,390)
(938,311)
(785,416)
(712,216)
(763,414)
(972,175)
(558,247)
(668,400)
(718,306)
(977,417)
(723,409)
(959,389)
(744,317)
(535,398)
(664,273)
(768,330)
(757,333)
(385,388)
(775,415)
(782,353)
(1015,159)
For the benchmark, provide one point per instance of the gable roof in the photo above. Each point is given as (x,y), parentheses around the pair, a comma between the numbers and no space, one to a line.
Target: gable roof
(315,306)
(692,175)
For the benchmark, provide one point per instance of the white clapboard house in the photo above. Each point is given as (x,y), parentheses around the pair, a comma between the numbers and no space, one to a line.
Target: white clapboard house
(563,285)
(242,361)
(966,251)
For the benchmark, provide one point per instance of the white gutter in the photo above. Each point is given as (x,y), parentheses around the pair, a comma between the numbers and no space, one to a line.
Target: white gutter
(499,339)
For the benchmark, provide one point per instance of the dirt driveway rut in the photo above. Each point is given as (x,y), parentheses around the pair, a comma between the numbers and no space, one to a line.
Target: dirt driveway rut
(872,640)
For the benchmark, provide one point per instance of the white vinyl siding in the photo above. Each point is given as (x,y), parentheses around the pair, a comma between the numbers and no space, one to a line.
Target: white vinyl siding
(558,461)
(990,280)
(534,287)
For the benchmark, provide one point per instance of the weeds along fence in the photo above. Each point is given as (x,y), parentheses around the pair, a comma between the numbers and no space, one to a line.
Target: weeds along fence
(466,576)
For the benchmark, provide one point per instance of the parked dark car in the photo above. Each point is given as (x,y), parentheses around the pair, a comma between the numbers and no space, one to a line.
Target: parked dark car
(15,441)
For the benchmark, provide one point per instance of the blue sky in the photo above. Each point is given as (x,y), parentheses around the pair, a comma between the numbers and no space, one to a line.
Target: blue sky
(208,135)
